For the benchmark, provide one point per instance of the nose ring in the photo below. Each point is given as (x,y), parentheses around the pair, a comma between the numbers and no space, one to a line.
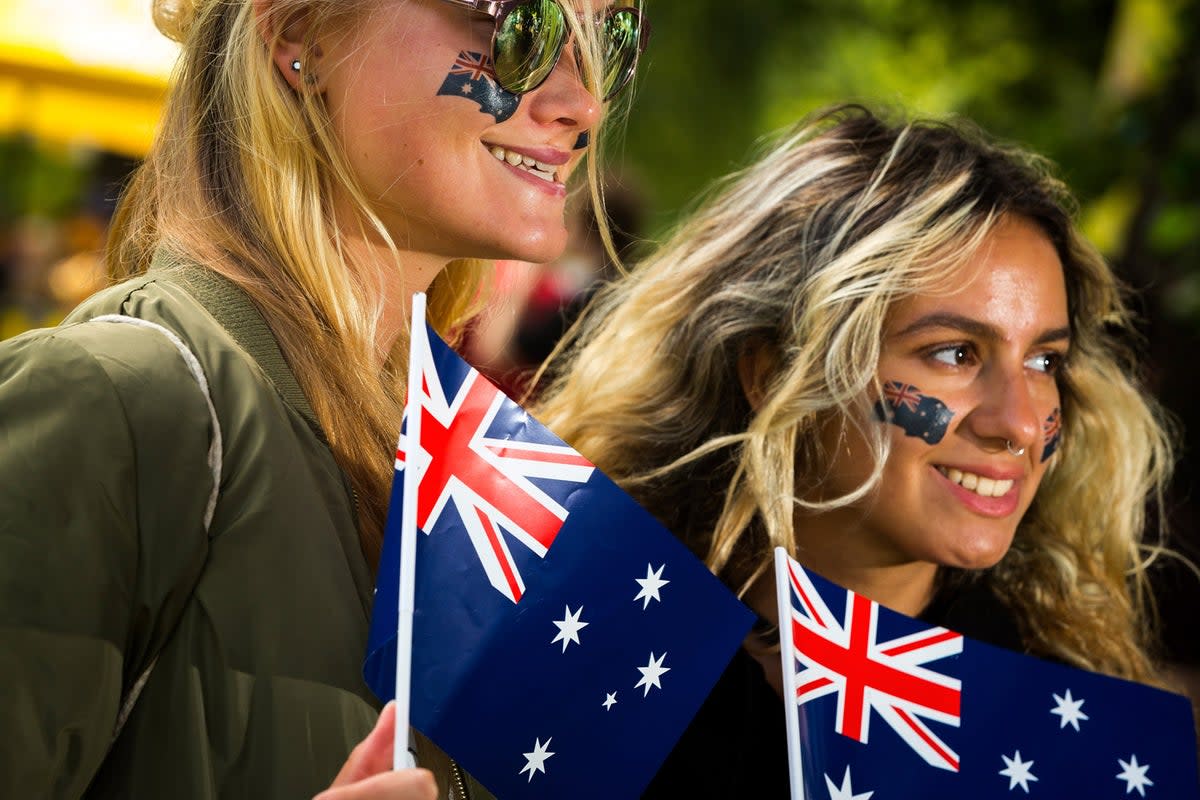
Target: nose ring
(1014,451)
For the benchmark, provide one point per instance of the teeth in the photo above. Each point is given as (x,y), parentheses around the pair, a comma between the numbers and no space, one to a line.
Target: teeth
(531,165)
(986,487)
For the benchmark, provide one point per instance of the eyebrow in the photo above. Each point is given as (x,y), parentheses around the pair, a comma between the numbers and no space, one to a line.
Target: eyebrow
(947,319)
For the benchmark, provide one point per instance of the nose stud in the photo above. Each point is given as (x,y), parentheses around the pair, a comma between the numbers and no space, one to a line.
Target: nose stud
(1014,451)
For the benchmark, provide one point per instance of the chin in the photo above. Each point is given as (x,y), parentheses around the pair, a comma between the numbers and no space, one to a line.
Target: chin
(539,248)
(980,553)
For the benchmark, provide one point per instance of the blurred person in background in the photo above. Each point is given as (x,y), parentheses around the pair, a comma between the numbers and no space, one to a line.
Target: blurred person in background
(887,348)
(535,304)
(196,465)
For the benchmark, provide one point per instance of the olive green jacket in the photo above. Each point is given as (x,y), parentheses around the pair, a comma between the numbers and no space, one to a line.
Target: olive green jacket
(241,613)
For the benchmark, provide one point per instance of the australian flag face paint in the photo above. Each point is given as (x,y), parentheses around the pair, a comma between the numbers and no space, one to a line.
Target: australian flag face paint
(582,141)
(1051,434)
(474,78)
(916,414)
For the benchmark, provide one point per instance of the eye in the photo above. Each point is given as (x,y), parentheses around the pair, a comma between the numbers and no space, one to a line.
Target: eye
(1049,362)
(954,355)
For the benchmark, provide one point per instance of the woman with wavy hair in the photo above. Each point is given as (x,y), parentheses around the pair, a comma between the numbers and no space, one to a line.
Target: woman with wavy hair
(195,467)
(888,349)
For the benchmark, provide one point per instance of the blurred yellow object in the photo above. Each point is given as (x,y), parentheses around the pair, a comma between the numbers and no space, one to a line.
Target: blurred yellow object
(73,279)
(90,73)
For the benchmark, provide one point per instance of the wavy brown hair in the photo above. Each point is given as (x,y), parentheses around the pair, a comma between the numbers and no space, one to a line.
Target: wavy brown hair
(801,256)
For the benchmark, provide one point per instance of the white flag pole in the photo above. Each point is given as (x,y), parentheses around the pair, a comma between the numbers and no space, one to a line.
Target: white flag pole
(401,757)
(783,596)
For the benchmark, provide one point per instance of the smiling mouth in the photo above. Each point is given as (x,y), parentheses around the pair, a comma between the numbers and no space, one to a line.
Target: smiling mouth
(531,165)
(984,487)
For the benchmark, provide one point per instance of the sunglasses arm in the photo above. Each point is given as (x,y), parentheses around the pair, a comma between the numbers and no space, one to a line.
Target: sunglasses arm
(489,7)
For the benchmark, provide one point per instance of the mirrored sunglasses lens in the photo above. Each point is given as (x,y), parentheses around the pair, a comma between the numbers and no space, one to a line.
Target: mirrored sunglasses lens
(528,44)
(622,38)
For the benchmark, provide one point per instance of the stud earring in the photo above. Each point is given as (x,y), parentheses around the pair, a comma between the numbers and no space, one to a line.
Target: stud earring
(296,65)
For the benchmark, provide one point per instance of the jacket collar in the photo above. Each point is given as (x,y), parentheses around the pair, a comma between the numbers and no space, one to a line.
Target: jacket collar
(237,314)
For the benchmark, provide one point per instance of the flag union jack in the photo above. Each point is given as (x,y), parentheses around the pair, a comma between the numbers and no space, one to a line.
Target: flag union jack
(474,65)
(902,394)
(1052,427)
(488,477)
(887,676)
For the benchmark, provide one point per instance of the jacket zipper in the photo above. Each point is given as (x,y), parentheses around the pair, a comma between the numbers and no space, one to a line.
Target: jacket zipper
(459,790)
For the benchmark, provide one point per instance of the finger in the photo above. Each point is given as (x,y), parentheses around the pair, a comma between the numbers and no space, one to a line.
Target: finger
(373,754)
(405,784)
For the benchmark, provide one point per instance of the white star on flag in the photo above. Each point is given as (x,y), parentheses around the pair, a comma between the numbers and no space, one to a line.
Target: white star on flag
(1067,709)
(650,586)
(1134,775)
(845,791)
(651,673)
(610,700)
(1017,772)
(569,627)
(536,761)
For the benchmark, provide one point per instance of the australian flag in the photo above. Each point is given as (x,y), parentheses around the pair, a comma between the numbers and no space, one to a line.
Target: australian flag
(917,414)
(473,76)
(885,707)
(562,638)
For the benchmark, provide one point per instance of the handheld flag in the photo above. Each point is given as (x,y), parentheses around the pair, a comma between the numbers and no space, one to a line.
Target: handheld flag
(886,706)
(562,639)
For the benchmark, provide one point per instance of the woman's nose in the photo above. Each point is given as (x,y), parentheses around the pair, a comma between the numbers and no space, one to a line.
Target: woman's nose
(563,98)
(1009,410)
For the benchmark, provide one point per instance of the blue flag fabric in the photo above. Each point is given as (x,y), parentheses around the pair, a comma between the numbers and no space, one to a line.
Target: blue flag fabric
(562,638)
(889,707)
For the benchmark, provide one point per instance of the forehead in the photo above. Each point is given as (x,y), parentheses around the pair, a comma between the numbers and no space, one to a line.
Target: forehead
(1013,283)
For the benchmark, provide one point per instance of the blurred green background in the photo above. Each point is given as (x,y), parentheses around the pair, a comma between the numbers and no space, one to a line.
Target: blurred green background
(1110,91)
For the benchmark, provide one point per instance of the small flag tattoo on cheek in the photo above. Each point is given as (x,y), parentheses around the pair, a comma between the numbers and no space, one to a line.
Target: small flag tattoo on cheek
(473,77)
(1051,434)
(583,140)
(918,415)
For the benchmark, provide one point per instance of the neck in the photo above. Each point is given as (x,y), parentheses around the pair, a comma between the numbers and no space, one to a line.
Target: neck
(903,585)
(398,279)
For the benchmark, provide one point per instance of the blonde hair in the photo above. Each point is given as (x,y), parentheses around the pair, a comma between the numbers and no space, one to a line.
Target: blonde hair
(800,257)
(241,179)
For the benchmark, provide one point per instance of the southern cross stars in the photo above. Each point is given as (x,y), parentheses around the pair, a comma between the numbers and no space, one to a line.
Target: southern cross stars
(536,761)
(610,700)
(651,674)
(845,791)
(1134,775)
(569,627)
(1067,709)
(1017,772)
(650,586)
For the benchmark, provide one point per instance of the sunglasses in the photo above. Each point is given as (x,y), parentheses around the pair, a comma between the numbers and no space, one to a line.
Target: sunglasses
(529,36)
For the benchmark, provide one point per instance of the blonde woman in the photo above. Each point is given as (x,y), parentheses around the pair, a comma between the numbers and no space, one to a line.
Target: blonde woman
(887,348)
(194,468)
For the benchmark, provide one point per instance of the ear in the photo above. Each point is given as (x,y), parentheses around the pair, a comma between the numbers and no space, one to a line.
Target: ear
(755,367)
(284,37)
